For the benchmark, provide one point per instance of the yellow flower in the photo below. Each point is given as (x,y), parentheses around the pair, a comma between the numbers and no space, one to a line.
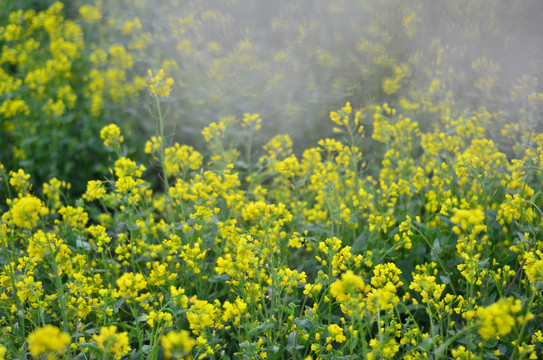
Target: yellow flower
(112,342)
(498,319)
(383,350)
(52,190)
(461,353)
(384,273)
(90,14)
(130,284)
(25,212)
(202,315)
(177,345)
(383,298)
(19,180)
(180,158)
(349,286)
(161,318)
(111,134)
(336,334)
(234,310)
(426,286)
(12,107)
(153,145)
(127,167)
(95,190)
(48,340)
(533,266)
(251,121)
(159,86)
(466,218)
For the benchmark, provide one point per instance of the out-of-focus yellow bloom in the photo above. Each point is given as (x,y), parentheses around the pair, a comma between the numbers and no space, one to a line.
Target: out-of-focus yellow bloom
(498,319)
(180,158)
(158,85)
(12,107)
(202,315)
(466,218)
(111,134)
(74,217)
(160,318)
(112,342)
(127,167)
(52,190)
(461,353)
(25,212)
(233,311)
(153,145)
(19,180)
(336,334)
(49,341)
(90,14)
(251,121)
(177,345)
(95,190)
(533,266)
(349,286)
(383,350)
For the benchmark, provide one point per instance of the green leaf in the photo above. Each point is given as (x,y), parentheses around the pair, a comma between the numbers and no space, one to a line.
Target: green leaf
(219,278)
(293,343)
(305,323)
(262,328)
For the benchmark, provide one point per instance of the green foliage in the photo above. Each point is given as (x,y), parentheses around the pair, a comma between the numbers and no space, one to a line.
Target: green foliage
(407,227)
(288,61)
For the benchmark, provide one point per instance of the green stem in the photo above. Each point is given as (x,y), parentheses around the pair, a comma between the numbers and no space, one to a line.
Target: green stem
(20,312)
(60,293)
(162,157)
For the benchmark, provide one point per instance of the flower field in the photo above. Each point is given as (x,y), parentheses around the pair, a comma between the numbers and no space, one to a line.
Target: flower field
(409,229)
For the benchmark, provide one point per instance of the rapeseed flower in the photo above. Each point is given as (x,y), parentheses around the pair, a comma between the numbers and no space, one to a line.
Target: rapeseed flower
(177,345)
(76,218)
(350,286)
(90,14)
(202,315)
(19,181)
(158,85)
(336,334)
(382,298)
(231,230)
(128,167)
(112,342)
(25,212)
(49,341)
(426,286)
(130,285)
(382,350)
(467,218)
(159,318)
(461,353)
(95,190)
(153,146)
(498,319)
(252,121)
(111,134)
(384,273)
(234,311)
(53,191)
(533,266)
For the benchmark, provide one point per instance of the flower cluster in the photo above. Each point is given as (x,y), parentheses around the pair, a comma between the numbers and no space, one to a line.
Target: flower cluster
(421,240)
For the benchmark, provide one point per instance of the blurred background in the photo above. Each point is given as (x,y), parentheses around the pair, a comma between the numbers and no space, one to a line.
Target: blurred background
(69,68)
